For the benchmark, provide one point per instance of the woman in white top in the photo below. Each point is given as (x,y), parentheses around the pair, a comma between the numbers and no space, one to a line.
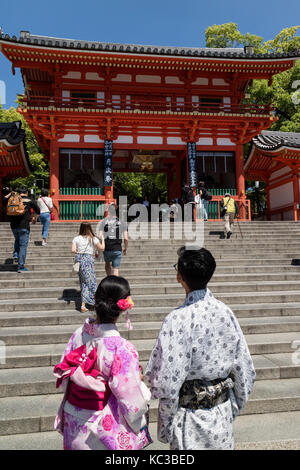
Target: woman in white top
(45,205)
(84,246)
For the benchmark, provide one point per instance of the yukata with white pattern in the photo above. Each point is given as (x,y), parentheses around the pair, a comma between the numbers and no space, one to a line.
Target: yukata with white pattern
(199,340)
(122,424)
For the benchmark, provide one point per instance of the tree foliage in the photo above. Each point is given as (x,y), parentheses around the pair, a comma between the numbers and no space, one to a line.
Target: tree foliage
(138,185)
(284,92)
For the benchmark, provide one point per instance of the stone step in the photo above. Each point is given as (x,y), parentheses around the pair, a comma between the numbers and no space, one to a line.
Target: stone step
(286,271)
(65,301)
(41,355)
(230,262)
(163,285)
(71,280)
(29,414)
(40,380)
(165,295)
(142,330)
(141,314)
(268,431)
(168,245)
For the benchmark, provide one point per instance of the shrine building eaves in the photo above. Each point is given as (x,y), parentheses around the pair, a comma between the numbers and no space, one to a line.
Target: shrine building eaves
(73,44)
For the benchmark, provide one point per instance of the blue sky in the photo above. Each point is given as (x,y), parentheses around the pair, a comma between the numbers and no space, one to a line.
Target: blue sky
(155,22)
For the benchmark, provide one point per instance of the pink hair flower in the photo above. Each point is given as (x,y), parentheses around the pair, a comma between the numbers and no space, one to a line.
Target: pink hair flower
(125,304)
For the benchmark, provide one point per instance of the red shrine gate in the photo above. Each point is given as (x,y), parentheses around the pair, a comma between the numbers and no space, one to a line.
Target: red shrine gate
(98,108)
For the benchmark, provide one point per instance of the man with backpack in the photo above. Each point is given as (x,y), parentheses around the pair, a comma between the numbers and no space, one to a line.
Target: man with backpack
(229,210)
(113,230)
(188,197)
(19,208)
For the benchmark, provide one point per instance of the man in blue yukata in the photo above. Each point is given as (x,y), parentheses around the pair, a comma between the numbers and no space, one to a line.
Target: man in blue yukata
(200,368)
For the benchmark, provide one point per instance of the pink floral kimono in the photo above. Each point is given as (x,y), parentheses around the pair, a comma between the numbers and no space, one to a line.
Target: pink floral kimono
(105,404)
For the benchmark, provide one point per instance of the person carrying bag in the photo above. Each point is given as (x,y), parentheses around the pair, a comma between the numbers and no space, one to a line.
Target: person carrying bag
(83,246)
(45,205)
(229,210)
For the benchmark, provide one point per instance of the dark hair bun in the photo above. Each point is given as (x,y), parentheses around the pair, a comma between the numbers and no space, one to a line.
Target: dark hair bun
(110,290)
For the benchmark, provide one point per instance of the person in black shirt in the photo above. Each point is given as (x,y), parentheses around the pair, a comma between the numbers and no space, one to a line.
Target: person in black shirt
(20,227)
(112,229)
(188,197)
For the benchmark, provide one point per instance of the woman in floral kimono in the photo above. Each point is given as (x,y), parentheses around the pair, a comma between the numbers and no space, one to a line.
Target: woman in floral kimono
(84,246)
(105,405)
(200,368)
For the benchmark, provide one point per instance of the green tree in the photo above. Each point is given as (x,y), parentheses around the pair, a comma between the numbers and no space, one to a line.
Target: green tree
(228,35)
(138,185)
(284,92)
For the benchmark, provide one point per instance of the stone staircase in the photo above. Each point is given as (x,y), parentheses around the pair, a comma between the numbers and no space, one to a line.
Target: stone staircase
(254,276)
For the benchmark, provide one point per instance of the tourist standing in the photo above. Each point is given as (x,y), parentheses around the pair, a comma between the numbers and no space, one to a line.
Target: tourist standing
(18,210)
(46,207)
(113,231)
(189,199)
(229,210)
(200,367)
(105,406)
(84,246)
(205,198)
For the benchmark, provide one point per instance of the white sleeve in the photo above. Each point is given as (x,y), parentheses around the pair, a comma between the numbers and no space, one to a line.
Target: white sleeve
(96,241)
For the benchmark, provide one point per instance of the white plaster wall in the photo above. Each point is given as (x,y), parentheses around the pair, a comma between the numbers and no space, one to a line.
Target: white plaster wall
(281,172)
(174,80)
(70,138)
(174,141)
(200,81)
(148,78)
(93,76)
(281,196)
(223,141)
(92,139)
(205,141)
(124,139)
(219,82)
(122,77)
(149,140)
(73,75)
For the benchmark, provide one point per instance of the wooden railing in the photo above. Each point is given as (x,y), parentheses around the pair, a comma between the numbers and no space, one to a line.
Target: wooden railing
(214,209)
(137,104)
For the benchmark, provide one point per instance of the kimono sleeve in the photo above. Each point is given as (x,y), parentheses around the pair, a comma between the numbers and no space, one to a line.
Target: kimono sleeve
(169,364)
(125,383)
(243,374)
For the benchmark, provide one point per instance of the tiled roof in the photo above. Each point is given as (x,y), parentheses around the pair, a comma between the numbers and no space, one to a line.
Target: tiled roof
(228,53)
(273,140)
(12,132)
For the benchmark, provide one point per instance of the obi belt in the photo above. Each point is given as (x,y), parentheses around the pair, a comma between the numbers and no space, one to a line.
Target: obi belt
(86,388)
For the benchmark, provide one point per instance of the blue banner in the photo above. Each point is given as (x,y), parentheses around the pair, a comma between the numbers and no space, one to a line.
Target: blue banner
(192,163)
(108,149)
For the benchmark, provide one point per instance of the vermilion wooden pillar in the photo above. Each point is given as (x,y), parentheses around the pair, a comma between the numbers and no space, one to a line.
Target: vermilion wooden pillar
(240,180)
(54,177)
(296,192)
(267,189)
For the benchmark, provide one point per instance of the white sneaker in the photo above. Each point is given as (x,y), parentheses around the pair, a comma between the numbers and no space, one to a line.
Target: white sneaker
(44,243)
